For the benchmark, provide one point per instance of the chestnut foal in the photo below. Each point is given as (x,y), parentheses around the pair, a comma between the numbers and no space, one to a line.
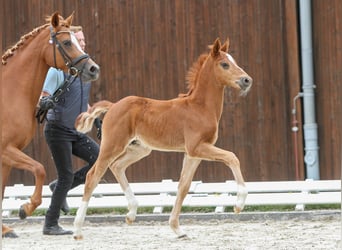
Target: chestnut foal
(134,126)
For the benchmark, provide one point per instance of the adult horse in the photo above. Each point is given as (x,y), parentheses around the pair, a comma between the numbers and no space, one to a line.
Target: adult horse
(24,67)
(134,126)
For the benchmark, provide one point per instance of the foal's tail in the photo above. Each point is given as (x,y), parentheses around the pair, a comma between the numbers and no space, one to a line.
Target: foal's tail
(85,120)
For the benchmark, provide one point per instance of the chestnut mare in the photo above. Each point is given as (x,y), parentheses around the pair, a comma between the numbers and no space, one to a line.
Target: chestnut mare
(134,126)
(24,67)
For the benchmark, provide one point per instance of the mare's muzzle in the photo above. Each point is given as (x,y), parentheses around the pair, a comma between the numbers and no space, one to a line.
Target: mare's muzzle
(91,71)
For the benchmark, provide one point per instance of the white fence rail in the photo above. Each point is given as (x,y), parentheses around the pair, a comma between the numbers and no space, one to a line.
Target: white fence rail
(162,194)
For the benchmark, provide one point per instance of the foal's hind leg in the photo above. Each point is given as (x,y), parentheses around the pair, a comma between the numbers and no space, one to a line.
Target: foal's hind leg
(189,168)
(134,152)
(93,178)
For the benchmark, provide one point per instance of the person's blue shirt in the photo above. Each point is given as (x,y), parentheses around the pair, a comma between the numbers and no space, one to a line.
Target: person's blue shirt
(71,103)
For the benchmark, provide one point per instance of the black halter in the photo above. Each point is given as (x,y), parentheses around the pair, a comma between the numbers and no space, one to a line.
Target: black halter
(69,62)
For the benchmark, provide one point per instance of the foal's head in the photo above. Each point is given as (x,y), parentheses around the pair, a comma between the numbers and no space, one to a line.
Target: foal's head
(226,70)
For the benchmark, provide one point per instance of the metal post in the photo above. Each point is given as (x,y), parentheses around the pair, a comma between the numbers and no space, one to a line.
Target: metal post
(311,157)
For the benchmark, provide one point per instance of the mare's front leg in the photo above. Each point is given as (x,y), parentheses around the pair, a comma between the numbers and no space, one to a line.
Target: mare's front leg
(189,168)
(134,152)
(93,178)
(8,232)
(17,159)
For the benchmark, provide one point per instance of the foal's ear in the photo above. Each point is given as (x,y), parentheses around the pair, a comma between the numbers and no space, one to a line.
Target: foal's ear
(215,51)
(55,19)
(68,21)
(225,46)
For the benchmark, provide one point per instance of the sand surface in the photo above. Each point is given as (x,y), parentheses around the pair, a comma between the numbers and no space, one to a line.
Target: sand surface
(293,233)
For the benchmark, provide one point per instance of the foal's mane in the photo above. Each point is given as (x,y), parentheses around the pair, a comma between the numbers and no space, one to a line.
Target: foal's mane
(192,74)
(34,32)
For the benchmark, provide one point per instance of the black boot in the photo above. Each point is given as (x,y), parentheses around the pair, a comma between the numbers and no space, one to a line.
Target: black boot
(65,207)
(55,230)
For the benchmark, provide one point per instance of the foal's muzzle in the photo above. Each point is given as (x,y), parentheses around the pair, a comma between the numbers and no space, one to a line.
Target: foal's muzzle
(245,84)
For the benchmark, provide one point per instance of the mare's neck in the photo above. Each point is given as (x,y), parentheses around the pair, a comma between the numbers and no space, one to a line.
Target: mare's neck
(27,69)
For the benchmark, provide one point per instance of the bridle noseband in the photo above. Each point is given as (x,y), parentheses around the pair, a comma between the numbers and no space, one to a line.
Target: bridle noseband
(69,62)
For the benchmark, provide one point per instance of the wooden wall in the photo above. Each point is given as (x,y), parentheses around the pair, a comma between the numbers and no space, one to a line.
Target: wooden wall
(146,47)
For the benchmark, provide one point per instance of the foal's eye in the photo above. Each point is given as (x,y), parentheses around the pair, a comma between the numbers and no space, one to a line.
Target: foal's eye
(225,65)
(67,43)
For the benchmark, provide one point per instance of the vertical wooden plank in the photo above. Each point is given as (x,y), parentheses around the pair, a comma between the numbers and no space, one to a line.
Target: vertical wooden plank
(293,85)
(327,45)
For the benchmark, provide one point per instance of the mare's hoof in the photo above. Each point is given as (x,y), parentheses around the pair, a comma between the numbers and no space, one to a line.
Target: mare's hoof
(22,213)
(10,234)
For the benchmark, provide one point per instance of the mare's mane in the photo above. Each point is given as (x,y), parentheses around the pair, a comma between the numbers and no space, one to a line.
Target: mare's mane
(34,32)
(192,74)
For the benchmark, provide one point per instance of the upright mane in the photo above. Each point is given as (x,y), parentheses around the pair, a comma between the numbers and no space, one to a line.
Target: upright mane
(193,74)
(34,32)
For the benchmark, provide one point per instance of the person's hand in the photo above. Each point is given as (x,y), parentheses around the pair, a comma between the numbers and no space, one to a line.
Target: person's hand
(46,103)
(98,125)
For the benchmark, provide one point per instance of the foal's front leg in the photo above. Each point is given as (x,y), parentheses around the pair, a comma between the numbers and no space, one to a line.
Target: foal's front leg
(189,168)
(212,153)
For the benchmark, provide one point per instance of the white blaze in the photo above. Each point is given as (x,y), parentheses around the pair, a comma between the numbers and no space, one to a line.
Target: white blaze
(232,60)
(75,42)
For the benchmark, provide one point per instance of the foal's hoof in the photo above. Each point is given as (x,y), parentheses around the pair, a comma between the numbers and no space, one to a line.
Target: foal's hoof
(22,213)
(129,221)
(237,210)
(184,237)
(10,234)
(130,217)
(78,237)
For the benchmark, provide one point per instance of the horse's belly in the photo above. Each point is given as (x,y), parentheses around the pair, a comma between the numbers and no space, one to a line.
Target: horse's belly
(162,144)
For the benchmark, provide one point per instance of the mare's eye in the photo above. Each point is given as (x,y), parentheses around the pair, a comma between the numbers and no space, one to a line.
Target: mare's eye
(67,43)
(225,65)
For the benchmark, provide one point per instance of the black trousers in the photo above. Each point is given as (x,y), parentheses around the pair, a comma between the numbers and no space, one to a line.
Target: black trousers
(64,143)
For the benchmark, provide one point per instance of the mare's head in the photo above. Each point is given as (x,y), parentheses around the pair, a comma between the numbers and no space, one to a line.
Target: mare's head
(226,70)
(66,53)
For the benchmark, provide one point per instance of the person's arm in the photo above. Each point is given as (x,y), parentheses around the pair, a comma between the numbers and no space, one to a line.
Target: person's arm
(54,79)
